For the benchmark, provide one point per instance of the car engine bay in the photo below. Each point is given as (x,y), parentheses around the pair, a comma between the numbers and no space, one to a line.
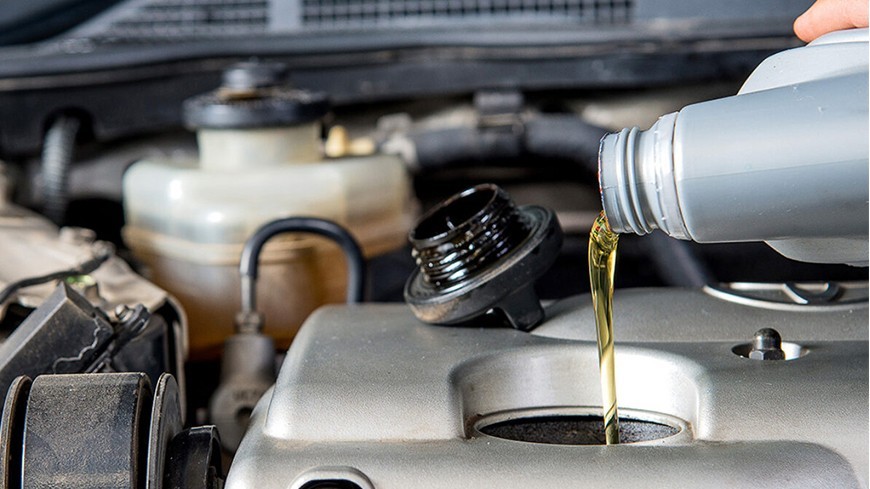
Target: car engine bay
(345,244)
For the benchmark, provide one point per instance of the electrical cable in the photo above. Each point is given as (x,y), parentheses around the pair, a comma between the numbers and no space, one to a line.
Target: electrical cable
(82,269)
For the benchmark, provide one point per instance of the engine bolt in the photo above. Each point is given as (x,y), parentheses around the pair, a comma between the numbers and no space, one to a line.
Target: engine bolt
(767,345)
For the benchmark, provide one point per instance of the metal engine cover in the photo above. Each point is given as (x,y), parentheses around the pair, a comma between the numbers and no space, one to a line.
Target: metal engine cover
(370,397)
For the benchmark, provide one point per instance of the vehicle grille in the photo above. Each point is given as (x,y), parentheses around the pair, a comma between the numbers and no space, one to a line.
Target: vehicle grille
(174,19)
(162,20)
(390,13)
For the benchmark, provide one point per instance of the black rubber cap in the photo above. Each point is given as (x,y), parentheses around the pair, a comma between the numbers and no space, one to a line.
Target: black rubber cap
(254,94)
(273,107)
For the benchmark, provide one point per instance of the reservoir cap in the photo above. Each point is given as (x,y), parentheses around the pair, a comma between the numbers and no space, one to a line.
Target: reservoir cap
(253,95)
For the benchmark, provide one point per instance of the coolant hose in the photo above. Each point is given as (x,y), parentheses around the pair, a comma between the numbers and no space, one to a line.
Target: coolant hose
(558,136)
(563,136)
(677,263)
(57,155)
(442,148)
(248,268)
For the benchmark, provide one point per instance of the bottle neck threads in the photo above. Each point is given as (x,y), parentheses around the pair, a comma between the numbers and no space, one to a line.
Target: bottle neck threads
(638,178)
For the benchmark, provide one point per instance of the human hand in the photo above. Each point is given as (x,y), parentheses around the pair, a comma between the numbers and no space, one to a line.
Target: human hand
(830,15)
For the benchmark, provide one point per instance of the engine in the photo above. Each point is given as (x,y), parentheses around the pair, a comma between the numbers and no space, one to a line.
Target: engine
(352,245)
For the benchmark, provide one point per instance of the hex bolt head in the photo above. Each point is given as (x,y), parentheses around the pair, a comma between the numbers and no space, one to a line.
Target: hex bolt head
(767,345)
(122,312)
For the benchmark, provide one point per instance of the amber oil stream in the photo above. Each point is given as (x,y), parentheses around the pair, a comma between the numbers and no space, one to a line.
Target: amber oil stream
(602,262)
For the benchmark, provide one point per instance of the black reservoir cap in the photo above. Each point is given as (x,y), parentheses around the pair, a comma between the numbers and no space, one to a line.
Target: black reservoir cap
(253,95)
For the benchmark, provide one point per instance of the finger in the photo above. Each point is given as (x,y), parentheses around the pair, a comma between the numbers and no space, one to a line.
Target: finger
(831,15)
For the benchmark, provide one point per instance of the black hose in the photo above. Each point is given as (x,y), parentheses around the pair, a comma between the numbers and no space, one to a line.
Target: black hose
(248,268)
(566,137)
(443,148)
(677,263)
(57,156)
(557,136)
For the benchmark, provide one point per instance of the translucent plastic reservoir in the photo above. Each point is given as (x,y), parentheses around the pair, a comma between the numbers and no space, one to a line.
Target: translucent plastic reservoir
(187,222)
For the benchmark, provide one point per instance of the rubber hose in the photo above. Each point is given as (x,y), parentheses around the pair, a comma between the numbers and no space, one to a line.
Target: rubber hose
(566,137)
(443,148)
(57,155)
(677,263)
(248,267)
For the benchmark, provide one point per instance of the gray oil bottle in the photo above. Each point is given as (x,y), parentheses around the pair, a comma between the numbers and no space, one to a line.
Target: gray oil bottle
(784,161)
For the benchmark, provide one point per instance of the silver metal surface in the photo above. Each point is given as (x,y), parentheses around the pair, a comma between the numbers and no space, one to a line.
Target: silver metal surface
(793,296)
(395,402)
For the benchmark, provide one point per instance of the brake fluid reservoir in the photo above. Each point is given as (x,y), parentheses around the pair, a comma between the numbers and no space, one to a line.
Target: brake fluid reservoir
(785,161)
(260,159)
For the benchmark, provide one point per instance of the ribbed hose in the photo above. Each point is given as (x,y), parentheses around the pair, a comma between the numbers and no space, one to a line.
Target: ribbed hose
(249,265)
(57,156)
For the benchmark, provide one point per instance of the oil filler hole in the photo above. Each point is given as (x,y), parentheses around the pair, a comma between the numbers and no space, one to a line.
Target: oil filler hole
(575,430)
